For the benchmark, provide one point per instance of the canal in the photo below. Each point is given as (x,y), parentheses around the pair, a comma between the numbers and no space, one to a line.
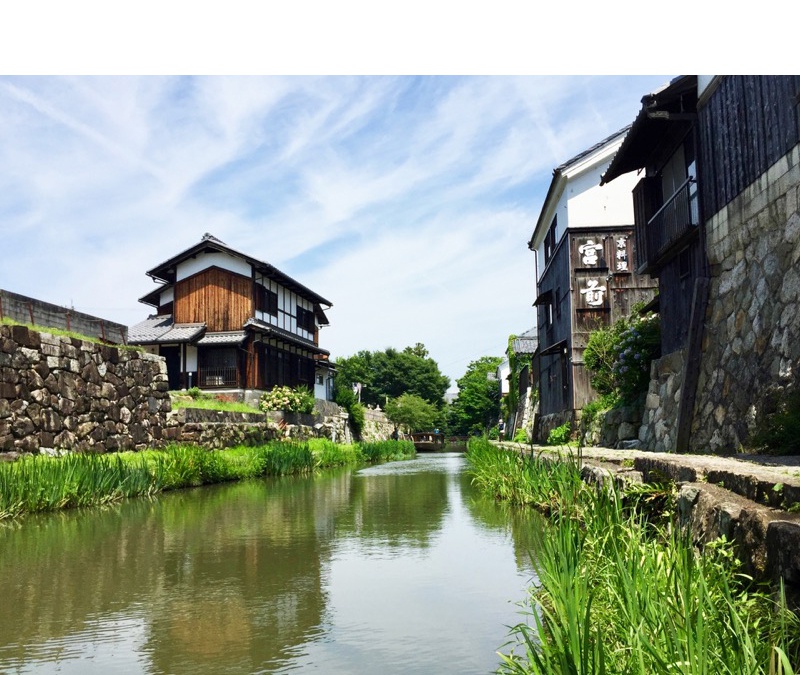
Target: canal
(395,568)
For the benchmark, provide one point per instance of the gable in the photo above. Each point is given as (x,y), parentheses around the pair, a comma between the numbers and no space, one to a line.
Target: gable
(221,299)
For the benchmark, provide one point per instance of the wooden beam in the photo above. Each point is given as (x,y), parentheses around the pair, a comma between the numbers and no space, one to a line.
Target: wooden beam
(691,365)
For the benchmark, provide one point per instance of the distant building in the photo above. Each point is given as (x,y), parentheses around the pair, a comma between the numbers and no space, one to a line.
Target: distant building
(585,275)
(226,320)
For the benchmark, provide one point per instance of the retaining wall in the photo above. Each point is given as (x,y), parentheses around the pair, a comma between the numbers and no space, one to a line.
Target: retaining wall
(63,394)
(751,344)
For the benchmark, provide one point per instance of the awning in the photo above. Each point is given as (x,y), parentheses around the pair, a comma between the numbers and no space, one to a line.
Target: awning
(554,348)
(660,111)
(545,298)
(183,332)
(266,329)
(231,338)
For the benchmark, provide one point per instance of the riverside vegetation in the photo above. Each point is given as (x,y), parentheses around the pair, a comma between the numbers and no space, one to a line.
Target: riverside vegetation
(39,483)
(621,590)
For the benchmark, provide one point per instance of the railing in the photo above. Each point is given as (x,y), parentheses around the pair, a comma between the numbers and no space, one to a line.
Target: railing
(675,218)
(219,377)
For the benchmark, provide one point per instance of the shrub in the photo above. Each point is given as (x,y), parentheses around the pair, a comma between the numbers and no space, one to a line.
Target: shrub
(619,356)
(287,399)
(559,435)
(521,436)
(345,397)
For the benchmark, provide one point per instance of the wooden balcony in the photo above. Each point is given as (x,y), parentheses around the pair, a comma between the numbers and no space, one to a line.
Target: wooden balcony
(664,233)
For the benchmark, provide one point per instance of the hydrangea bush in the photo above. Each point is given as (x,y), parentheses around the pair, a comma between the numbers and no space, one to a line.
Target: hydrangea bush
(619,356)
(287,399)
(639,344)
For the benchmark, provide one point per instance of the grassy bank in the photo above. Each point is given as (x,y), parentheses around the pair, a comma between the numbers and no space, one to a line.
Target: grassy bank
(621,591)
(38,483)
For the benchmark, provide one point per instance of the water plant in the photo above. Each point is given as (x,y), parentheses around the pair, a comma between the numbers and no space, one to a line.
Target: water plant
(39,483)
(620,590)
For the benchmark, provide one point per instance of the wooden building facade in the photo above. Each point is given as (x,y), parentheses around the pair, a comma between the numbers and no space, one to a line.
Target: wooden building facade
(585,253)
(225,320)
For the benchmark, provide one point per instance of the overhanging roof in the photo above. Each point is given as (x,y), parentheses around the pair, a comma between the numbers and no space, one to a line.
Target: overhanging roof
(232,338)
(283,335)
(165,271)
(676,102)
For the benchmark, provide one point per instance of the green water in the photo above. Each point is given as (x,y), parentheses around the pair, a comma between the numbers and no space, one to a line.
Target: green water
(397,568)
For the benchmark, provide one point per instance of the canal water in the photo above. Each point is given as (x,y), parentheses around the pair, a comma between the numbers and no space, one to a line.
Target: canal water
(395,568)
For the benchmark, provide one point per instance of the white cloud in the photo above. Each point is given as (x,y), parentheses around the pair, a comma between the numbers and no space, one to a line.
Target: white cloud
(406,201)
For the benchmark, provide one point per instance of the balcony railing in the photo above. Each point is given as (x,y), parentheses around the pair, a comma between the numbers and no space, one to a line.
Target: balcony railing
(219,377)
(673,220)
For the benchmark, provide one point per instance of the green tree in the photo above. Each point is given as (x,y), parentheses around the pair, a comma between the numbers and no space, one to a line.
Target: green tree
(391,373)
(411,412)
(478,403)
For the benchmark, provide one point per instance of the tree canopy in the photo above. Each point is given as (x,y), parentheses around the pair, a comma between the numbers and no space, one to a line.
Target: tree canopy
(478,403)
(391,373)
(412,412)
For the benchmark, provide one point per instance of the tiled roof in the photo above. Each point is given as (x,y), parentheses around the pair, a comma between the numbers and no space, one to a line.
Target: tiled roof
(183,332)
(527,342)
(231,337)
(150,329)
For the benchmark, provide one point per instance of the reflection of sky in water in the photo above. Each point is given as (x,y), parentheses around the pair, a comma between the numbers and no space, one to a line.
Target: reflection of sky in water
(391,569)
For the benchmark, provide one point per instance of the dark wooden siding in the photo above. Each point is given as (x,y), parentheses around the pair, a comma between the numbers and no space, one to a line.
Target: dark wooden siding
(748,123)
(622,290)
(553,385)
(676,284)
(222,299)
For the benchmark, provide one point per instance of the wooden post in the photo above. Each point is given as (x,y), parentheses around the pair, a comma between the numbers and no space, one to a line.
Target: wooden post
(30,312)
(691,365)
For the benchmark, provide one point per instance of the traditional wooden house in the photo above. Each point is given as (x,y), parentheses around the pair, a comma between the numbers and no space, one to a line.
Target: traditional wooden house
(226,320)
(663,142)
(585,254)
(716,222)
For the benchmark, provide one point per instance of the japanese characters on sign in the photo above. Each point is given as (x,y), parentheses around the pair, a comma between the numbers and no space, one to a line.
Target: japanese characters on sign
(593,293)
(588,252)
(621,255)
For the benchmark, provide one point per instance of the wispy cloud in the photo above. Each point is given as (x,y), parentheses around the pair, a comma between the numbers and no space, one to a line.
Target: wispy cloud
(406,201)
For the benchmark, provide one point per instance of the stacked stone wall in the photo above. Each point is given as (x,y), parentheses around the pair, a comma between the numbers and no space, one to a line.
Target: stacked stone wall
(377,426)
(63,394)
(69,394)
(751,343)
(658,430)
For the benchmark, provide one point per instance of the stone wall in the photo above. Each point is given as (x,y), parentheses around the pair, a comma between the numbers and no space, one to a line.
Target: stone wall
(377,426)
(546,423)
(751,343)
(658,430)
(63,393)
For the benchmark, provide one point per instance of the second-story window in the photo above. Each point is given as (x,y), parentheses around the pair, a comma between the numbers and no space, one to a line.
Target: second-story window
(550,240)
(266,300)
(305,319)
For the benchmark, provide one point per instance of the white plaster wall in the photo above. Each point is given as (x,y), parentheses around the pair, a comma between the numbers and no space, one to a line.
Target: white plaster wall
(287,303)
(591,205)
(167,295)
(205,260)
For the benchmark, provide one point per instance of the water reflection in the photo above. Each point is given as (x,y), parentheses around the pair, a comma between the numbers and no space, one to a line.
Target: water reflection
(400,566)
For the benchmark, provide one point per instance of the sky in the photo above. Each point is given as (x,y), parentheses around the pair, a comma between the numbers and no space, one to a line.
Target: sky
(407,202)
(392,158)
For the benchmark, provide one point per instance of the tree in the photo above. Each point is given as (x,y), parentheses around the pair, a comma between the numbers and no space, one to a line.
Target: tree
(411,412)
(478,403)
(392,373)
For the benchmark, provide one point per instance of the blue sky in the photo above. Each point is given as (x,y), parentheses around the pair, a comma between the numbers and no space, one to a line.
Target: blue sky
(406,201)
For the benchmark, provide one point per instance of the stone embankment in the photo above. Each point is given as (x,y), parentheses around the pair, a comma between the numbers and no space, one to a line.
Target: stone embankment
(64,394)
(753,501)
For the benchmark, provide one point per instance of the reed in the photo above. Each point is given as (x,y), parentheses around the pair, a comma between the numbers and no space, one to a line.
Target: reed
(36,483)
(621,591)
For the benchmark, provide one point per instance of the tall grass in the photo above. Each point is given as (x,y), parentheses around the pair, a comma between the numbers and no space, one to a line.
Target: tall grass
(36,483)
(620,591)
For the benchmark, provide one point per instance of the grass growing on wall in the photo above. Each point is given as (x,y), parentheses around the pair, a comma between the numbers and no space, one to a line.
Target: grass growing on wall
(60,332)
(37,483)
(621,591)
